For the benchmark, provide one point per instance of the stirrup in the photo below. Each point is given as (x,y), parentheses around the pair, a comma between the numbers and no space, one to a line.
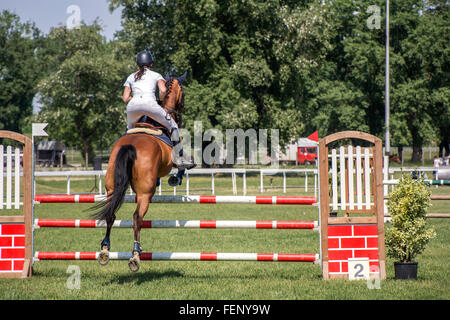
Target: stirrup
(185,164)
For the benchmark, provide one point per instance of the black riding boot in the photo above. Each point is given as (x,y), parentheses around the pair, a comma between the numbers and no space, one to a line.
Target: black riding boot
(180,160)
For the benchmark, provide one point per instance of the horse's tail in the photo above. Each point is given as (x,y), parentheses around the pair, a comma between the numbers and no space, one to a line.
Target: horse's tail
(123,169)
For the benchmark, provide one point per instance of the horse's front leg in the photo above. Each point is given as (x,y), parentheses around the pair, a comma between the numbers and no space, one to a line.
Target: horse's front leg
(143,202)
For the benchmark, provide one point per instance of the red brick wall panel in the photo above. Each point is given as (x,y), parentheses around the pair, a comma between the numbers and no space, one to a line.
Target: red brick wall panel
(359,242)
(12,253)
(6,241)
(12,229)
(19,241)
(5,265)
(336,231)
(365,230)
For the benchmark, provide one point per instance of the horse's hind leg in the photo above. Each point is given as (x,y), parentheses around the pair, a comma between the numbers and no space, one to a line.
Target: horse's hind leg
(105,246)
(143,201)
(103,258)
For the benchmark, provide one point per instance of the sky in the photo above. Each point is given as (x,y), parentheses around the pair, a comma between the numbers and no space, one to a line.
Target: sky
(53,13)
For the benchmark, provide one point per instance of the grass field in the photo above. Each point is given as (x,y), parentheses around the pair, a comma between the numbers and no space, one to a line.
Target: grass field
(214,280)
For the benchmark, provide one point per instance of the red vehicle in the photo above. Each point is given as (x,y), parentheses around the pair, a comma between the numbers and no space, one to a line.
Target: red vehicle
(307,149)
(306,155)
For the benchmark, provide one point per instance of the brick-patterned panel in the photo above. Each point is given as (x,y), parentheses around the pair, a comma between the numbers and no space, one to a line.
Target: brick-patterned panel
(5,265)
(351,241)
(6,241)
(19,241)
(12,247)
(18,265)
(12,229)
(365,230)
(335,231)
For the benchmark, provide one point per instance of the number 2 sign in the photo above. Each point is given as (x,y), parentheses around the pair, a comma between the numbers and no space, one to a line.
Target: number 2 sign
(358,268)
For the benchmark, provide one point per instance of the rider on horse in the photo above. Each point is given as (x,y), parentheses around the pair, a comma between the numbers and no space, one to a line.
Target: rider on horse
(139,94)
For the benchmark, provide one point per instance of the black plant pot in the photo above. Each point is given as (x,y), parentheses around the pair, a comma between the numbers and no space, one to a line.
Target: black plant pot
(405,270)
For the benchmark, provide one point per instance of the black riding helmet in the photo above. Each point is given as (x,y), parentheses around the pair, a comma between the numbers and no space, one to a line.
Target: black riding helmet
(144,58)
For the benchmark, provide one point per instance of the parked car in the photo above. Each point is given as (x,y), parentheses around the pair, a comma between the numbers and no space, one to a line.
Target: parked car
(306,155)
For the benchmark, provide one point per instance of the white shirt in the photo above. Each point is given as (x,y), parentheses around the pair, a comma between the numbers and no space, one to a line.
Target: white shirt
(437,162)
(145,86)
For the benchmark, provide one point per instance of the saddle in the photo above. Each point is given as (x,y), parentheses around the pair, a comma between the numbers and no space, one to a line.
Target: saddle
(147,125)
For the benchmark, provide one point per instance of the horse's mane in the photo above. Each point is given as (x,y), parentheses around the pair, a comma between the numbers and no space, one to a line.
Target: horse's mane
(179,106)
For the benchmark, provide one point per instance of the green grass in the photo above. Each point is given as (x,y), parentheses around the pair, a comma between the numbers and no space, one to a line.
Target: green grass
(214,280)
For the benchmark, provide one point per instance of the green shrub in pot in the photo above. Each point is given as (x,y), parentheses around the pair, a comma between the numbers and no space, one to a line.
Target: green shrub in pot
(408,233)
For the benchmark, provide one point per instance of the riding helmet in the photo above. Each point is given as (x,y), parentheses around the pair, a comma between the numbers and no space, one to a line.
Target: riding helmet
(144,58)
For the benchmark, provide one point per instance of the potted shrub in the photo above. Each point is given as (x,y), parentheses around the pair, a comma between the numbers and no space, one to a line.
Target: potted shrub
(408,234)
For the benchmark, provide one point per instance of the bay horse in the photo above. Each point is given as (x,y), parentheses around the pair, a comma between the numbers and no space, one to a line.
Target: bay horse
(139,160)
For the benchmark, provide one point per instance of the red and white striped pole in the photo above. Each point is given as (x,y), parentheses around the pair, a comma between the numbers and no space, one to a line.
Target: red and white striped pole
(285,200)
(182,256)
(195,224)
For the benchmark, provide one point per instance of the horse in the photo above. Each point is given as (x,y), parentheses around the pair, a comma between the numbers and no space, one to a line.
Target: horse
(139,160)
(394,158)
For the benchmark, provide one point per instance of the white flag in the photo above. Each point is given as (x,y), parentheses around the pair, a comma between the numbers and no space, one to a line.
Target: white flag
(38,130)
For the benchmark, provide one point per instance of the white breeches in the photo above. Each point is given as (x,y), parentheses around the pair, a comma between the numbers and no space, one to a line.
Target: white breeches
(140,106)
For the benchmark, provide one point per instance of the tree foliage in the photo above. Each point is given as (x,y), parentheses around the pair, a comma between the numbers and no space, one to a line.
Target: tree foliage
(19,70)
(298,66)
(246,59)
(82,94)
(302,65)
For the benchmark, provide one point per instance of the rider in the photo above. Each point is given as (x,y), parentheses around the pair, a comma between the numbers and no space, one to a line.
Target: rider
(139,94)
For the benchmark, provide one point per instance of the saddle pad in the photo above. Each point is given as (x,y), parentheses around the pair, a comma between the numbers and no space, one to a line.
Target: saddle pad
(158,134)
(145,130)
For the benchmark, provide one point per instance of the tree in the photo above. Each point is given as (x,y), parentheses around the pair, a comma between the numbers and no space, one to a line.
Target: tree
(82,95)
(245,59)
(420,98)
(20,70)
(303,65)
(347,90)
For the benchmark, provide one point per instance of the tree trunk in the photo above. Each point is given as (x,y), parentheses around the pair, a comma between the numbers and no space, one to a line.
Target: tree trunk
(87,153)
(444,148)
(416,154)
(400,153)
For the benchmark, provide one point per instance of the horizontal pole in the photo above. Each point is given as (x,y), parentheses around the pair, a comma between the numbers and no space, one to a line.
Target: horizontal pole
(428,182)
(429,215)
(199,171)
(432,197)
(181,256)
(200,224)
(91,198)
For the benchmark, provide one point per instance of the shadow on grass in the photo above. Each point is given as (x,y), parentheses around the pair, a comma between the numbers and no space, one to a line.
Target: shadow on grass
(146,276)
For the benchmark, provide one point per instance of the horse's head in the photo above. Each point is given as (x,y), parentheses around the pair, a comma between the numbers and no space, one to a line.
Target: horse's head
(173,101)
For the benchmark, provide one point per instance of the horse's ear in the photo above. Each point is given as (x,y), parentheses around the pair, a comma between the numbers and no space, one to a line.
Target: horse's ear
(182,78)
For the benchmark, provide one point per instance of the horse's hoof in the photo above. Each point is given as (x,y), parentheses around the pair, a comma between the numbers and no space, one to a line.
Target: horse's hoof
(134,262)
(103,257)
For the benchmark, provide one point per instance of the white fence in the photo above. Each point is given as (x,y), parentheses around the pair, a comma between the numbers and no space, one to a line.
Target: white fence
(10,184)
(310,176)
(10,159)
